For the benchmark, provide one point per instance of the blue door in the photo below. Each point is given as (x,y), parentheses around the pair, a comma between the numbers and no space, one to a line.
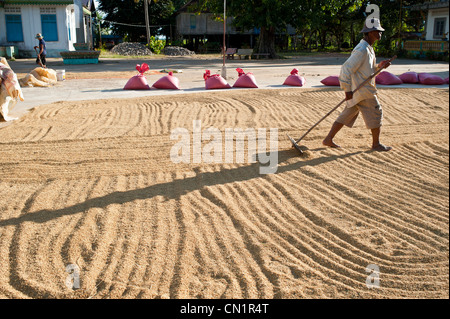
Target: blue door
(49,27)
(14,32)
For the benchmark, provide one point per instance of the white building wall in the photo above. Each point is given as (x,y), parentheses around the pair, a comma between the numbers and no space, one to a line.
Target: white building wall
(433,14)
(2,26)
(31,25)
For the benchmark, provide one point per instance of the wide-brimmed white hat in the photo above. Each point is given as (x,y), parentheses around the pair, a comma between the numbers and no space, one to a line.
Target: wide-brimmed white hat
(39,36)
(373,24)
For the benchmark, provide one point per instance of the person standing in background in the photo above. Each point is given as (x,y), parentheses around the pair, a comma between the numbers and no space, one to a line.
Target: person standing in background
(42,51)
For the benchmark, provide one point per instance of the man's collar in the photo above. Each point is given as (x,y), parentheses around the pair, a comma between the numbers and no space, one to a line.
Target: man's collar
(366,42)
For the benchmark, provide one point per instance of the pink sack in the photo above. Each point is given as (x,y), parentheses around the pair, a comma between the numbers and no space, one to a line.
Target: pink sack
(245,80)
(387,78)
(294,79)
(168,82)
(409,77)
(138,82)
(332,80)
(430,79)
(215,81)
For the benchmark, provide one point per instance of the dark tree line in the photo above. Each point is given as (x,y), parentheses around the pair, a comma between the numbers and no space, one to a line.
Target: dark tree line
(319,23)
(127,17)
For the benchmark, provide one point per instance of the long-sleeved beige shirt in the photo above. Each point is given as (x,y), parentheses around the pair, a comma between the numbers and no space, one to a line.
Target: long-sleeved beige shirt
(359,66)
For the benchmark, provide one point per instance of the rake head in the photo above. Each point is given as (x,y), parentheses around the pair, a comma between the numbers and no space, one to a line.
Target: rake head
(295,145)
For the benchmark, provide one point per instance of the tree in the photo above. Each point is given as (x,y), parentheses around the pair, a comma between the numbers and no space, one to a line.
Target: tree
(323,19)
(396,18)
(127,17)
(272,16)
(98,18)
(269,16)
(320,19)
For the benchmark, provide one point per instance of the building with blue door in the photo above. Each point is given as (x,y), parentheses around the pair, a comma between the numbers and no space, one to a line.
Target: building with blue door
(61,22)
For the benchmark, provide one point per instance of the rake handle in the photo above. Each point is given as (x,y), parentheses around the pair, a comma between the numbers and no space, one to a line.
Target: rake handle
(38,55)
(334,109)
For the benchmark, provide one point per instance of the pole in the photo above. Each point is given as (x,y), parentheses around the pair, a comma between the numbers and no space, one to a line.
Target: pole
(224,69)
(147,24)
(99,33)
(400,25)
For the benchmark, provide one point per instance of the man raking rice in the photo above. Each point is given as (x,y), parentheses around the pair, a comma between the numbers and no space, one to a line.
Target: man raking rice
(357,79)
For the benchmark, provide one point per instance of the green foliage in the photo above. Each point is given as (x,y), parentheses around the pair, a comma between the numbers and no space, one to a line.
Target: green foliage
(322,25)
(436,56)
(315,20)
(156,45)
(127,18)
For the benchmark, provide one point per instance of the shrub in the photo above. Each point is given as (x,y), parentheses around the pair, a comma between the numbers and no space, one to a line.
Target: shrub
(156,46)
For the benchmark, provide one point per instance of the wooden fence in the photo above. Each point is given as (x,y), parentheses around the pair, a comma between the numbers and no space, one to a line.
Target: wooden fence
(436,46)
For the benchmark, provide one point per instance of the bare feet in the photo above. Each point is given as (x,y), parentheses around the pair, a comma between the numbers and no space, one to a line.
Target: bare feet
(330,143)
(381,148)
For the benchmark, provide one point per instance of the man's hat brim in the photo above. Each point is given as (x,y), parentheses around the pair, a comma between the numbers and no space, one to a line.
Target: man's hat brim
(375,26)
(367,30)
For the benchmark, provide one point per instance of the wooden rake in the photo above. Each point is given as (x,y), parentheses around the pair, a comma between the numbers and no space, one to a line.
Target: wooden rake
(295,142)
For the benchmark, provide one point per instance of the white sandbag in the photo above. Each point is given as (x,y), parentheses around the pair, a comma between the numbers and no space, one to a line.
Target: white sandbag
(4,61)
(45,75)
(10,82)
(30,80)
(7,103)
(39,77)
(10,92)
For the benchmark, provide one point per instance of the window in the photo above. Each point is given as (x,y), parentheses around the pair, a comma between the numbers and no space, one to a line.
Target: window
(49,27)
(193,21)
(14,32)
(439,28)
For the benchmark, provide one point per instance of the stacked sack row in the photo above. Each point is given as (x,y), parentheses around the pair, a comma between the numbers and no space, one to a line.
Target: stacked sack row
(247,80)
(387,78)
(212,81)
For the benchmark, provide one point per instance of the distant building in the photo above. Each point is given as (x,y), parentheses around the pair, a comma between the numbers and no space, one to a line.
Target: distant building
(435,36)
(437,21)
(61,22)
(200,28)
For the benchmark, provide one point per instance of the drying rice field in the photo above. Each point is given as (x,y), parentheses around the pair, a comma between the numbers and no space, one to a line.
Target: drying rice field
(92,185)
